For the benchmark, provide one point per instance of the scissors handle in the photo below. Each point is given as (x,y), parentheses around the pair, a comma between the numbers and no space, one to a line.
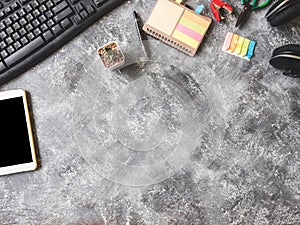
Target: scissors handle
(262,5)
(255,2)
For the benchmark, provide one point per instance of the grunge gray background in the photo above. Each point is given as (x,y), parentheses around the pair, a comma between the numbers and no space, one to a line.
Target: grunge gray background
(212,139)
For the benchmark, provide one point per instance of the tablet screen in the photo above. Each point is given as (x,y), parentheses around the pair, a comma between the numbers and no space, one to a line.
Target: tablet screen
(14,138)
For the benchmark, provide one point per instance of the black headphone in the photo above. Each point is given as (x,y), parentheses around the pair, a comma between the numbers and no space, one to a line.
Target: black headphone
(286,58)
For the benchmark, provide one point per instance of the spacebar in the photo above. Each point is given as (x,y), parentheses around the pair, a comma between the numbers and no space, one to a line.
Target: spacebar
(23,52)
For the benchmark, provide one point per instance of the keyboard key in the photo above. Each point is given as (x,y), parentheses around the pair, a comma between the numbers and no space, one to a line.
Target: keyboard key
(21,12)
(9,31)
(59,7)
(35,23)
(34,4)
(29,27)
(84,14)
(36,13)
(23,52)
(56,29)
(17,45)
(8,21)
(10,50)
(15,6)
(42,18)
(77,19)
(23,22)
(43,9)
(48,35)
(4,54)
(29,17)
(15,36)
(3,35)
(15,17)
(99,2)
(2,67)
(90,9)
(28,8)
(37,32)
(22,32)
(24,40)
(79,7)
(16,26)
(8,10)
(2,26)
(66,23)
(30,36)
(8,40)
(49,4)
(50,23)
(49,14)
(2,45)
(2,14)
(44,27)
(66,13)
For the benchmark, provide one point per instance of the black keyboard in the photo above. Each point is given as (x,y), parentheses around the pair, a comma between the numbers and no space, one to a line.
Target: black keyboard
(30,30)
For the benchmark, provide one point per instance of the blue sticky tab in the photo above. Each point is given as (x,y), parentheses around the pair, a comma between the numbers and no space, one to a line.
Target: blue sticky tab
(199,9)
(251,47)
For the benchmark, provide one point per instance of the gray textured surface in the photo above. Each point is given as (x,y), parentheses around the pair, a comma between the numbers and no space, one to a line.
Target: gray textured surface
(212,139)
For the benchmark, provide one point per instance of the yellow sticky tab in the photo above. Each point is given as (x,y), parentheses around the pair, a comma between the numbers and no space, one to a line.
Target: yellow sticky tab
(245,47)
(179,1)
(239,46)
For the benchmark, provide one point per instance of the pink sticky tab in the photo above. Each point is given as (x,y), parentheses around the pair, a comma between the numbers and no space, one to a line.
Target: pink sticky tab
(227,42)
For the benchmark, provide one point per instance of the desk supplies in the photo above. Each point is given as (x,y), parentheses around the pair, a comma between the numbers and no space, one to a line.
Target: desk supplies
(248,8)
(239,46)
(220,9)
(111,56)
(177,26)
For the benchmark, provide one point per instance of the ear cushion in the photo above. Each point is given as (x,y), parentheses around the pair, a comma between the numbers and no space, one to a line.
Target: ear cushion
(283,14)
(287,61)
(291,48)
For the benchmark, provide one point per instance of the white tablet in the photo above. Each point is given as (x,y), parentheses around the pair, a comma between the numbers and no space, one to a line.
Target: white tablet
(17,153)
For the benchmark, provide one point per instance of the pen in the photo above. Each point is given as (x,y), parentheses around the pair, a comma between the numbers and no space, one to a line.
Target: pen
(136,19)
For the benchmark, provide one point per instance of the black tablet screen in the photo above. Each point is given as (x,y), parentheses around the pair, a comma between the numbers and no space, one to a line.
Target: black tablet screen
(14,139)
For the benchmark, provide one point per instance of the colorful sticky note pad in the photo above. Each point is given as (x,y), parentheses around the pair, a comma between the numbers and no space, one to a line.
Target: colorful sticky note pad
(190,29)
(239,46)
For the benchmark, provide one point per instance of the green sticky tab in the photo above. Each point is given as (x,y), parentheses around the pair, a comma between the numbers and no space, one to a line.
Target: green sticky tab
(245,47)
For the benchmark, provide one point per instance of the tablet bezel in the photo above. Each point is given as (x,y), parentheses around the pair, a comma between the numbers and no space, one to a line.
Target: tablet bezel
(25,166)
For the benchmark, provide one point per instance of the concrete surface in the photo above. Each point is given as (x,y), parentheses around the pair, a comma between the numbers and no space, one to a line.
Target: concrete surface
(212,139)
